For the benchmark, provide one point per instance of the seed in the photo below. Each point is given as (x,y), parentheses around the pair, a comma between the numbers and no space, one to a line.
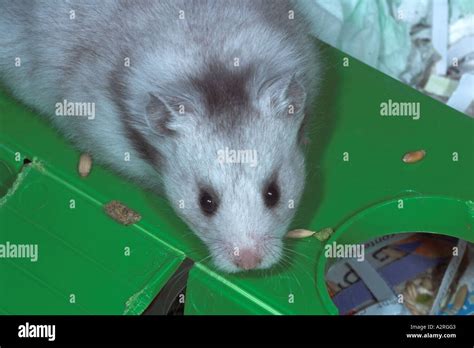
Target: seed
(85,165)
(324,234)
(121,213)
(413,157)
(460,298)
(299,233)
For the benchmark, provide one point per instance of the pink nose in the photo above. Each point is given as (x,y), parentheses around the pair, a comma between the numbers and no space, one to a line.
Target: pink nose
(247,259)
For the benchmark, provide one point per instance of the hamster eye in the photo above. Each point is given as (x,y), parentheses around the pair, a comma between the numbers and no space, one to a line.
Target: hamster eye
(208,203)
(271,195)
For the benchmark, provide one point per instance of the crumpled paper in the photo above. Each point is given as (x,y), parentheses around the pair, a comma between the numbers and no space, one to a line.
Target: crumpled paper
(397,38)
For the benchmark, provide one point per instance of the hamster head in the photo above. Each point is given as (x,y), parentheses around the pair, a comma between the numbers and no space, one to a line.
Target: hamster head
(234,168)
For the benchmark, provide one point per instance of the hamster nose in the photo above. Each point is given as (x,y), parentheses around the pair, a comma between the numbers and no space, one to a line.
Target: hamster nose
(247,259)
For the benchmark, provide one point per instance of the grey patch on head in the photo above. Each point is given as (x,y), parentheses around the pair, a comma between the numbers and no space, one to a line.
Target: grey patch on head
(119,92)
(225,93)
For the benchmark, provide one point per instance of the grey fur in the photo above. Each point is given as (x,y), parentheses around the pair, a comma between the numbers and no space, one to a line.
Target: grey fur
(176,62)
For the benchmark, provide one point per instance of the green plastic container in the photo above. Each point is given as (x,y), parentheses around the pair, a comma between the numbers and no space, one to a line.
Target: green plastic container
(357,184)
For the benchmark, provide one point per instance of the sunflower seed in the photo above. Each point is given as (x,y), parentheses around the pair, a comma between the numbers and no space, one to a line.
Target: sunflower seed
(299,233)
(413,157)
(85,165)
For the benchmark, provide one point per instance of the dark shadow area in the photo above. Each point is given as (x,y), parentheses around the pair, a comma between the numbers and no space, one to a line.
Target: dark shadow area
(320,129)
(170,300)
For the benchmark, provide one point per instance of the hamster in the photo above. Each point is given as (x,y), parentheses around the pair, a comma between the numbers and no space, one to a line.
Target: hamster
(202,101)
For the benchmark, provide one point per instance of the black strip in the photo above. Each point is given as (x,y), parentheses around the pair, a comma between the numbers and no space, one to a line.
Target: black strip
(163,302)
(193,330)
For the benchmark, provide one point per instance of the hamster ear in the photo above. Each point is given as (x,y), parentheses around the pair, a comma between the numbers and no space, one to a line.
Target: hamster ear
(165,114)
(291,99)
(296,96)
